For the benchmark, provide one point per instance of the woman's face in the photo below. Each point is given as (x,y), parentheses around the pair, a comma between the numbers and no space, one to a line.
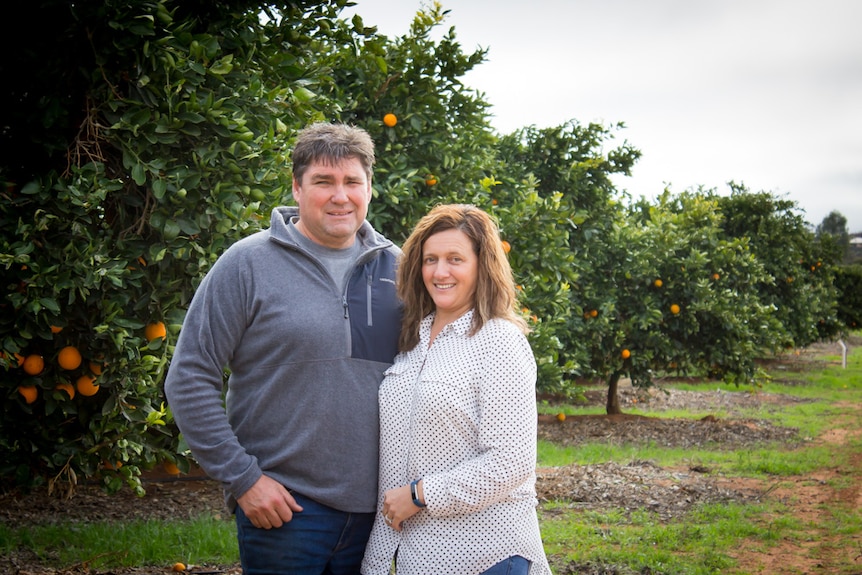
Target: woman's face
(450,269)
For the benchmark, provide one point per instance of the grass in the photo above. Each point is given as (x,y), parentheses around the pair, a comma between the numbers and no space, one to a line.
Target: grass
(704,542)
(753,462)
(698,545)
(101,545)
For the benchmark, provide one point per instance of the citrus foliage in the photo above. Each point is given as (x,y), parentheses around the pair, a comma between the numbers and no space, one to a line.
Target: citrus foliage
(848,282)
(441,132)
(182,146)
(567,172)
(800,269)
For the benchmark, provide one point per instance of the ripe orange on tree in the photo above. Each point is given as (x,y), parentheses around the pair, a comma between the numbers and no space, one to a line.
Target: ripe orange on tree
(625,354)
(34,364)
(69,357)
(594,313)
(507,247)
(658,283)
(67,387)
(390,119)
(28,392)
(95,368)
(430,180)
(170,467)
(674,308)
(86,385)
(56,329)
(155,329)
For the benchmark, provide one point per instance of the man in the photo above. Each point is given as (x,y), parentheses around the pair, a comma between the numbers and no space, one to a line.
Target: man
(305,317)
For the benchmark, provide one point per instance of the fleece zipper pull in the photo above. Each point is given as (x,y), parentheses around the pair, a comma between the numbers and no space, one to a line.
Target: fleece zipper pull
(369,307)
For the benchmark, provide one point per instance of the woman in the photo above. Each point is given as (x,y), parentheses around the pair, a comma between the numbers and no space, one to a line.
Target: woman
(458,412)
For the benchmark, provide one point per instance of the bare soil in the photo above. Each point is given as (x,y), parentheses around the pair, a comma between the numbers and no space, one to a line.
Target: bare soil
(631,486)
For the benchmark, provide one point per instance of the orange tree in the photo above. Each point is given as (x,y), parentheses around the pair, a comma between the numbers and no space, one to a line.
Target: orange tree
(568,169)
(800,269)
(156,134)
(667,294)
(434,143)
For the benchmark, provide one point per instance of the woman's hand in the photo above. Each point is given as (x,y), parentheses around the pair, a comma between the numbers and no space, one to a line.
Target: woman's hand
(398,506)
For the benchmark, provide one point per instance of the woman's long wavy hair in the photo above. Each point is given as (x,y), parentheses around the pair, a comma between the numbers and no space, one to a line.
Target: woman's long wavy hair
(495,286)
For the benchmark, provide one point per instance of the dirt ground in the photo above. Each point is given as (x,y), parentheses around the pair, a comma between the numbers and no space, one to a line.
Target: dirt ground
(630,486)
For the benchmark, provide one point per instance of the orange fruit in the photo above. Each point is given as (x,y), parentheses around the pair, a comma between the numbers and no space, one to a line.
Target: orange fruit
(658,283)
(95,368)
(594,313)
(561,416)
(154,330)
(494,201)
(430,180)
(507,247)
(716,277)
(28,392)
(20,359)
(34,364)
(56,329)
(69,357)
(112,466)
(626,354)
(86,385)
(674,309)
(178,567)
(390,119)
(67,387)
(171,467)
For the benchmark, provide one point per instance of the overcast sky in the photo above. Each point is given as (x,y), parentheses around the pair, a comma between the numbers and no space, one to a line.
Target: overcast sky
(767,93)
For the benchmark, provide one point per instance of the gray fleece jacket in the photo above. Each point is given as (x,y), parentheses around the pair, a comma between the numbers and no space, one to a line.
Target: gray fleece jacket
(305,365)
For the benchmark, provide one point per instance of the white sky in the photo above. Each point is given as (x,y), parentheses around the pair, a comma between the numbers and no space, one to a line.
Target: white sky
(767,93)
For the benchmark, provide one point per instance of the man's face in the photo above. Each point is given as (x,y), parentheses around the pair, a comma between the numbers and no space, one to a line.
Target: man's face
(333,202)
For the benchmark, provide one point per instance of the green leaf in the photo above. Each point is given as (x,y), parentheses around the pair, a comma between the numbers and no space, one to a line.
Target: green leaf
(171,230)
(139,175)
(222,66)
(50,304)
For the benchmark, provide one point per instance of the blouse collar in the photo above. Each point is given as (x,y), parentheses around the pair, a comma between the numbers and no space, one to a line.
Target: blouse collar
(460,326)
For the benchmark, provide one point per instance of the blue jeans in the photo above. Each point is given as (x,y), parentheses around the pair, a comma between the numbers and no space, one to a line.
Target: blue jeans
(318,540)
(514,565)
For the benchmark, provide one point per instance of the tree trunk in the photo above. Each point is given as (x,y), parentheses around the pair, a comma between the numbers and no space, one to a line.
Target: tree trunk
(613,405)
